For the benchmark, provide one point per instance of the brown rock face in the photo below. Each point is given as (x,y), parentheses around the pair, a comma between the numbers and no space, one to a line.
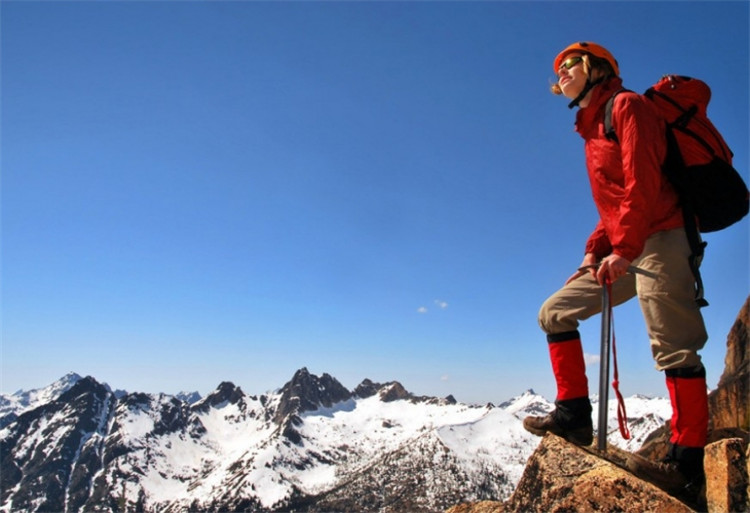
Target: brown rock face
(730,402)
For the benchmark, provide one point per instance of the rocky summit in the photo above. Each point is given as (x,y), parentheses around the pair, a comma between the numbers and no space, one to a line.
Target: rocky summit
(561,477)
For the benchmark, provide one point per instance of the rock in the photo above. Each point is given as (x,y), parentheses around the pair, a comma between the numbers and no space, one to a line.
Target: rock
(395,391)
(729,403)
(367,389)
(563,477)
(726,476)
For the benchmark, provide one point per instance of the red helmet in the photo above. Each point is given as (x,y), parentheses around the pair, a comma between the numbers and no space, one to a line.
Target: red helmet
(589,48)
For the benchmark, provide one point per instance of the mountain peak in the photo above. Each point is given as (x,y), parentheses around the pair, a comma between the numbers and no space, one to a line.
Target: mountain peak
(13,405)
(393,391)
(83,386)
(388,392)
(308,392)
(226,393)
(528,403)
(50,392)
(70,378)
(367,389)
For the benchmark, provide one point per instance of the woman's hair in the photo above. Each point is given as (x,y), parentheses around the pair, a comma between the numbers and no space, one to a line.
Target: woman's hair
(591,65)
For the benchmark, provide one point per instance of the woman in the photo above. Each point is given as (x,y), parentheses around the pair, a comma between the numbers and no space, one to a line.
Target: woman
(640,224)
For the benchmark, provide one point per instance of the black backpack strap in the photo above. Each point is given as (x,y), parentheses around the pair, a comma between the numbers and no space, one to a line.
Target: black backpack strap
(674,168)
(697,248)
(609,130)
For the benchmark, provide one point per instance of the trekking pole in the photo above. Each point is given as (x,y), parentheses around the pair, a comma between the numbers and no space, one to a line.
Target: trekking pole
(601,434)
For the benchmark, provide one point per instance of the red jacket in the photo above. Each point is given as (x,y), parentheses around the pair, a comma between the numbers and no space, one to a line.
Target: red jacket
(631,193)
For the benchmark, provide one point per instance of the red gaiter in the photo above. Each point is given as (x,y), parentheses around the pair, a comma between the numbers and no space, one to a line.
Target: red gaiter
(566,355)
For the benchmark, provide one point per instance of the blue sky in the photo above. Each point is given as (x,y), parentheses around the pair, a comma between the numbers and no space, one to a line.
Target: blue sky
(197,192)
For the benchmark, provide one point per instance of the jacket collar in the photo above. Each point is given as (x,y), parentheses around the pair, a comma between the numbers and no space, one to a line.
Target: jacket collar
(599,96)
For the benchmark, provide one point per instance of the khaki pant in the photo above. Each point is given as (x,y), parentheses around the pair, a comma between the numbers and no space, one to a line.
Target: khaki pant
(673,319)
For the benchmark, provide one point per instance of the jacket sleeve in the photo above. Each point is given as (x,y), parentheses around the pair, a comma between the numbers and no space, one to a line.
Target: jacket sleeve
(598,242)
(643,147)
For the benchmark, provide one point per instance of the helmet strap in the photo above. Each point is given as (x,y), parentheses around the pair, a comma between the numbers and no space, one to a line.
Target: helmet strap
(586,88)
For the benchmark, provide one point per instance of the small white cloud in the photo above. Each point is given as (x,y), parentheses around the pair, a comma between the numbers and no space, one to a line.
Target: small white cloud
(439,303)
(445,377)
(591,359)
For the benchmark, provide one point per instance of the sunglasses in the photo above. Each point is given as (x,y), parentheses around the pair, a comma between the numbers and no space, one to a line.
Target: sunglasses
(569,63)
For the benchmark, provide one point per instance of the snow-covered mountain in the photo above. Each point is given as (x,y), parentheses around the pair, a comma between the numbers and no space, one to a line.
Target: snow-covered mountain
(13,405)
(311,446)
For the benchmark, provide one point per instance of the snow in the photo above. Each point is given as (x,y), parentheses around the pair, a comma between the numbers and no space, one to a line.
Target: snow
(497,437)
(373,427)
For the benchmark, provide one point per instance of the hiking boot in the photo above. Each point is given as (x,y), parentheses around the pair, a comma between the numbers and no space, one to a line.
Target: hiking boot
(550,424)
(664,474)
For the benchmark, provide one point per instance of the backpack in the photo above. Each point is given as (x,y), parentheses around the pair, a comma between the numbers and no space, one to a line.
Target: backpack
(698,162)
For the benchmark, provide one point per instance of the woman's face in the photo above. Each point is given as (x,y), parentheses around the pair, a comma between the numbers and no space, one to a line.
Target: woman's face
(571,76)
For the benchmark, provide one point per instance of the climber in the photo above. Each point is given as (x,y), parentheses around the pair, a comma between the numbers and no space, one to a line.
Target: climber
(640,224)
